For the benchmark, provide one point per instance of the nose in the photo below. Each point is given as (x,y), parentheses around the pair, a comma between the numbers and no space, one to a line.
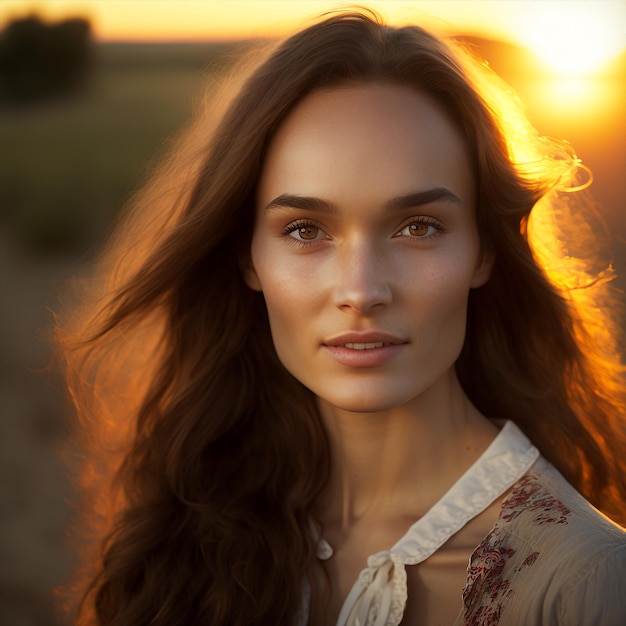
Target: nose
(362,280)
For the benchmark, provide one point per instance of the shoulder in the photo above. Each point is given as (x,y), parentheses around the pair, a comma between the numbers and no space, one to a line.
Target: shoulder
(543,509)
(551,557)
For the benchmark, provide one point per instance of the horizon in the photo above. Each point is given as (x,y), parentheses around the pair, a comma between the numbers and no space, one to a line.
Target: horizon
(573,37)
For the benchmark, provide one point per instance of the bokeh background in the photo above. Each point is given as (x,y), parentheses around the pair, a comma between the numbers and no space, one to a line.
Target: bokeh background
(88,105)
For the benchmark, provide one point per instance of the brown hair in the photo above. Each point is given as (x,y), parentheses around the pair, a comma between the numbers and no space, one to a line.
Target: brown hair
(218,453)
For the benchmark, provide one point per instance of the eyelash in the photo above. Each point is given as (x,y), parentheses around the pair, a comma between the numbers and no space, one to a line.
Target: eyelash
(292,227)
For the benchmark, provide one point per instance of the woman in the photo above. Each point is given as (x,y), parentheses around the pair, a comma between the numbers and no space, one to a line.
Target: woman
(315,344)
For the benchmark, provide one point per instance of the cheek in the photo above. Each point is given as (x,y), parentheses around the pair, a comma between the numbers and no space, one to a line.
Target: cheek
(282,306)
(441,308)
(287,305)
(444,277)
(287,282)
(439,299)
(289,328)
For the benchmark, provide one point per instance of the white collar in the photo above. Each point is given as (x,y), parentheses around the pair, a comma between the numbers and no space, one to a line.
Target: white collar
(379,595)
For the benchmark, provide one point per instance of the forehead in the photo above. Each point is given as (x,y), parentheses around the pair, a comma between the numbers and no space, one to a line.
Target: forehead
(381,135)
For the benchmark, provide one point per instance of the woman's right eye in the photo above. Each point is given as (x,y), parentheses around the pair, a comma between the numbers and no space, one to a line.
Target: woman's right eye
(304,231)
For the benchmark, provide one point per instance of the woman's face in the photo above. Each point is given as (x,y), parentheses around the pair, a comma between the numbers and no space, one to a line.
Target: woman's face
(365,245)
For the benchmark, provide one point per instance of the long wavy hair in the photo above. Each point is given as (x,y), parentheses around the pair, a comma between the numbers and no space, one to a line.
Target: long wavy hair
(202,457)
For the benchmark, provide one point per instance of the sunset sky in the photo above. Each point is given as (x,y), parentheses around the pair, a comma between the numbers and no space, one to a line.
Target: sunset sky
(575,36)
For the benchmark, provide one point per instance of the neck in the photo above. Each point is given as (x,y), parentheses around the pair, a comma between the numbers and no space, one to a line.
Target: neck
(399,462)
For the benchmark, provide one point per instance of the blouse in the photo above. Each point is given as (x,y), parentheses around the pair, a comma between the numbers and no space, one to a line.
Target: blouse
(551,558)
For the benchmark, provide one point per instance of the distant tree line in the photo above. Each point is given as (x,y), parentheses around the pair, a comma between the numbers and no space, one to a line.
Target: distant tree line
(40,60)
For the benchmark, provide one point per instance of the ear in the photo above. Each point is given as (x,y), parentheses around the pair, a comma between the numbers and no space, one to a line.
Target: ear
(250,277)
(483,270)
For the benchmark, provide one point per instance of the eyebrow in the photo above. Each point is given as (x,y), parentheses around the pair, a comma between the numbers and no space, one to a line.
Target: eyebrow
(407,201)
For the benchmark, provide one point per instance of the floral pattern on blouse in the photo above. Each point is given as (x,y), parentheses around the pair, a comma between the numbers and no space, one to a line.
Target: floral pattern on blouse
(529,495)
(488,586)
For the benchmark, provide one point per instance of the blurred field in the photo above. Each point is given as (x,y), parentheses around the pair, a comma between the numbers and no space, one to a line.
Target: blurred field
(66,166)
(65,169)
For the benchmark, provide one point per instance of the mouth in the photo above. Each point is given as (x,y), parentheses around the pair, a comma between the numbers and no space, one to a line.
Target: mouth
(371,340)
(354,351)
(365,346)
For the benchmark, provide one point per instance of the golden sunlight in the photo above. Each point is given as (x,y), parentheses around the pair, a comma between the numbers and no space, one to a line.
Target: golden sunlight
(573,36)
(575,39)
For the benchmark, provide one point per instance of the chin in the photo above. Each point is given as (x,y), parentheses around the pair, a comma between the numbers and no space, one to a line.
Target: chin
(371,402)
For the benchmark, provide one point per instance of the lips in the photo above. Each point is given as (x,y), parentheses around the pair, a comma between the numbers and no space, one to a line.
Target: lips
(364,350)
(364,340)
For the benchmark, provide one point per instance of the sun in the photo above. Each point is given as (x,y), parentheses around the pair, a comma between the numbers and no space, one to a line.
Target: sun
(575,39)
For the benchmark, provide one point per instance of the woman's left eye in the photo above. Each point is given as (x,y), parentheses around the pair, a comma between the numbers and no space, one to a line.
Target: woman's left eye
(421,229)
